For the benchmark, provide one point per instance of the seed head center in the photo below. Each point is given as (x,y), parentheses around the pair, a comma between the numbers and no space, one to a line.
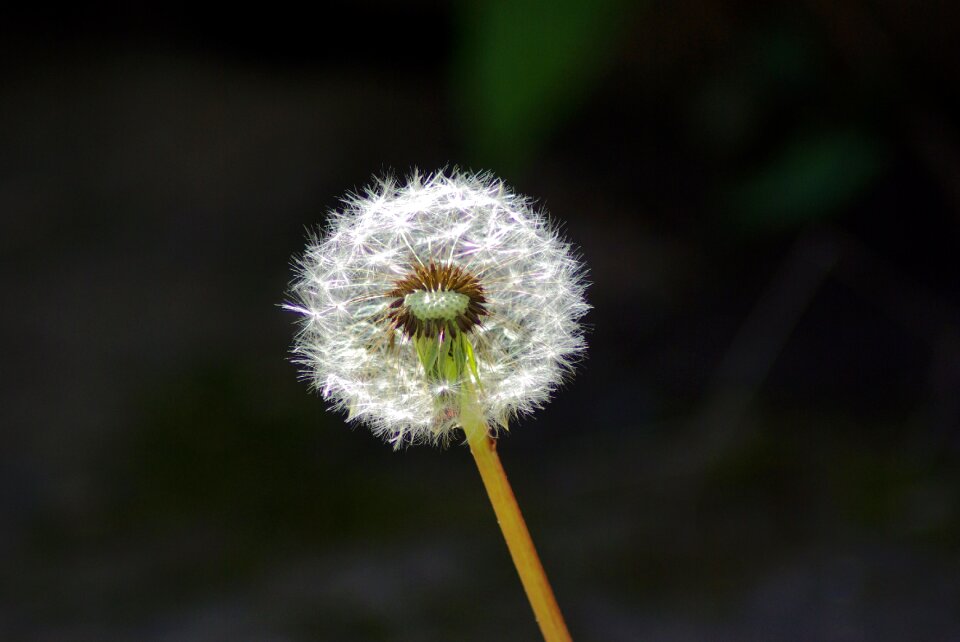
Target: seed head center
(428,305)
(436,300)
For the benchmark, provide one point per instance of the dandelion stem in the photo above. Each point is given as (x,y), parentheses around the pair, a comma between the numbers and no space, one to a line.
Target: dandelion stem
(532,575)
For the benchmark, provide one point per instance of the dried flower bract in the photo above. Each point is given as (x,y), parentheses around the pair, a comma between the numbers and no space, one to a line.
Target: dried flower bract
(415,292)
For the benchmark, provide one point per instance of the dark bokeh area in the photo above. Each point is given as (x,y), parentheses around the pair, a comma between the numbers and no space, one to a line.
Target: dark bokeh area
(763,443)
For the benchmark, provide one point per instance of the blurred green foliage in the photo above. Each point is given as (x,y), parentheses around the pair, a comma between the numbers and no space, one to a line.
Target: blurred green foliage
(522,66)
(809,178)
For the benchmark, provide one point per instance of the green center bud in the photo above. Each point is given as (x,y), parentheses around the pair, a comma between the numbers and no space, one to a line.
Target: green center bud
(445,304)
(438,306)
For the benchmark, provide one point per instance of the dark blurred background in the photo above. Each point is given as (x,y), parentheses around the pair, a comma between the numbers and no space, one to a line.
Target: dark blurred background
(762,445)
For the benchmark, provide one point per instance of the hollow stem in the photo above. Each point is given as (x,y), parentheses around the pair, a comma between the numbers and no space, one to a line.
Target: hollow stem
(532,575)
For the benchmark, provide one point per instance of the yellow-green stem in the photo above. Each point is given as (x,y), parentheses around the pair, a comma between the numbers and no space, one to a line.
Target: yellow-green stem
(532,575)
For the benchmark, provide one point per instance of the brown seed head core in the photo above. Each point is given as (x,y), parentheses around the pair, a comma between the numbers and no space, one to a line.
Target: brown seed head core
(435,277)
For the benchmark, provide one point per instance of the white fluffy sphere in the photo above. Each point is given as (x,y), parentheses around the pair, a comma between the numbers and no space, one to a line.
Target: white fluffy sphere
(525,344)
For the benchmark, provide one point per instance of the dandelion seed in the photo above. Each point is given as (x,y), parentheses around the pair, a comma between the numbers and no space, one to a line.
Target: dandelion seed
(450,279)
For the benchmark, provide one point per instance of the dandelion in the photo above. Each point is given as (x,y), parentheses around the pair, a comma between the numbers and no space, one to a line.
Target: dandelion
(447,303)
(415,291)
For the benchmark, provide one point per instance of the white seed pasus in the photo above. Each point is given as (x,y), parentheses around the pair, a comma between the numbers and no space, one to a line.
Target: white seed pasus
(385,335)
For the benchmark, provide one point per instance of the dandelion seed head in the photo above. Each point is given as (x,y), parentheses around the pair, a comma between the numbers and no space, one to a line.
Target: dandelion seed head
(448,268)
